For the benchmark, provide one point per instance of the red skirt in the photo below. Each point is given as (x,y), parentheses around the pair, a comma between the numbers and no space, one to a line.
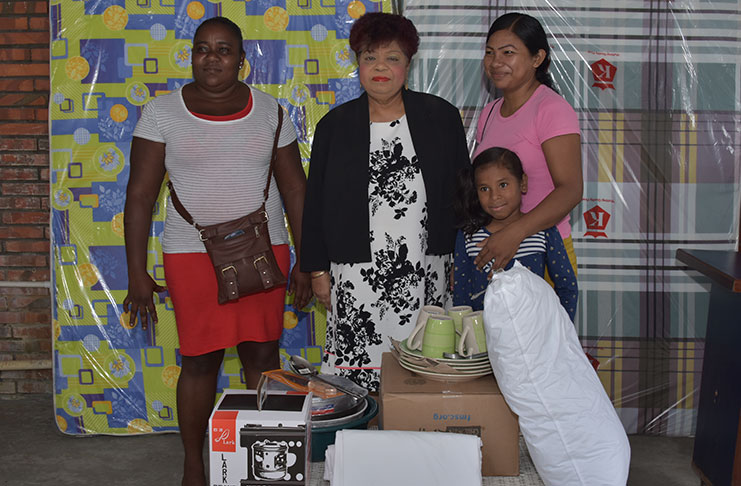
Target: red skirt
(204,325)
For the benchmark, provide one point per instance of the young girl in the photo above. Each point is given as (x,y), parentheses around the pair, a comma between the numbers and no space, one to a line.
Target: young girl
(489,199)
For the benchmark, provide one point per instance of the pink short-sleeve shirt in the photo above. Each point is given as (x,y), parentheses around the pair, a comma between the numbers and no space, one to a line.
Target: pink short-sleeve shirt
(544,116)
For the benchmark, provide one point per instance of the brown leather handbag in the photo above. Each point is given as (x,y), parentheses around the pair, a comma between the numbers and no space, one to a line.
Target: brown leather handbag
(240,249)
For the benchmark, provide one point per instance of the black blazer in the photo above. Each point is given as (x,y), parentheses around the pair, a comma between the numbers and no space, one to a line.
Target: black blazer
(336,224)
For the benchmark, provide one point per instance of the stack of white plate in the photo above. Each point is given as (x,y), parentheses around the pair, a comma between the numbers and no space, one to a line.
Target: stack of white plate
(442,369)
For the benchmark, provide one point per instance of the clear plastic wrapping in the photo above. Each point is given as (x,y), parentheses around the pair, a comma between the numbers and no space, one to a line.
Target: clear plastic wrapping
(655,86)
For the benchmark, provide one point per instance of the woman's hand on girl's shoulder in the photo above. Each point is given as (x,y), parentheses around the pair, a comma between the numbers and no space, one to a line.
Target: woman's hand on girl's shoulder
(499,248)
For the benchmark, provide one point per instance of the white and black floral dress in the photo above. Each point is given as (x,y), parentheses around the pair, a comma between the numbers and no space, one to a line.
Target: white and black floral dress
(372,301)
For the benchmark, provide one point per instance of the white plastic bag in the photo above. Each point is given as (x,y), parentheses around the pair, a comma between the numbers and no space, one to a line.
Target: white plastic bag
(403,458)
(567,420)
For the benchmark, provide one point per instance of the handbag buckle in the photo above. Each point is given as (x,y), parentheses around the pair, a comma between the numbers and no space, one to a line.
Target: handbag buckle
(266,217)
(200,236)
(230,267)
(261,257)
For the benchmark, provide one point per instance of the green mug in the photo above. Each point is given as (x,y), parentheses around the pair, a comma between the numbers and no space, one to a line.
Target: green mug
(473,337)
(414,341)
(439,336)
(457,314)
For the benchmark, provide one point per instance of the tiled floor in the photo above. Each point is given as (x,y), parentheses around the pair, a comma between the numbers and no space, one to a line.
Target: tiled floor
(34,452)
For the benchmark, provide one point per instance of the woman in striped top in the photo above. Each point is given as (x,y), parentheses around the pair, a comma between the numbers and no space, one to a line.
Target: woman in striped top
(214,138)
(489,199)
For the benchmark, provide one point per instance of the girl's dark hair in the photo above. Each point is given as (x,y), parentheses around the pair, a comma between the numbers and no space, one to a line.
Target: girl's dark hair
(376,29)
(470,214)
(531,33)
(226,23)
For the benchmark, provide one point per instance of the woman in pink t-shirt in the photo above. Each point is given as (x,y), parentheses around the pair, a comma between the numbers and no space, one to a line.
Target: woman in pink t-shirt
(536,123)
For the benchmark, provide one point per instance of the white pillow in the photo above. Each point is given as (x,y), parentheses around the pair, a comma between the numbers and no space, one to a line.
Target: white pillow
(567,420)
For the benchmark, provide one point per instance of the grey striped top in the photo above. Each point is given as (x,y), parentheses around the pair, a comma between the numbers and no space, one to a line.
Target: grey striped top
(218,168)
(530,245)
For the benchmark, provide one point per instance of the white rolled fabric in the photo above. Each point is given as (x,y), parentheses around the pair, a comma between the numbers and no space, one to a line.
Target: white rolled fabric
(401,458)
(571,429)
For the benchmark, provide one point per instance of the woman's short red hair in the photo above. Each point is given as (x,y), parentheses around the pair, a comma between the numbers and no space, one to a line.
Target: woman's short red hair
(376,29)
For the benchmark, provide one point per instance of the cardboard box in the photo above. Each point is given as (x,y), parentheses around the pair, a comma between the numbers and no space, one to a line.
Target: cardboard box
(266,447)
(411,402)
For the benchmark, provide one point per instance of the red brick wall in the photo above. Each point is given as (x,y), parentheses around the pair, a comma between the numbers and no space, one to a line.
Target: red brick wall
(25,307)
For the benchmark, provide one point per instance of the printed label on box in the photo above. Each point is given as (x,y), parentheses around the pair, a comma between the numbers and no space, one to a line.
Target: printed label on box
(223,431)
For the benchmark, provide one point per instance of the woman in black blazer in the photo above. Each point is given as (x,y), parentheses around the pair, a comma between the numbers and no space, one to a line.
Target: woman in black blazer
(378,216)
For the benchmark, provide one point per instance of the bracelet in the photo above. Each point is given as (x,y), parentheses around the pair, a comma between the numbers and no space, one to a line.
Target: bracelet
(318,274)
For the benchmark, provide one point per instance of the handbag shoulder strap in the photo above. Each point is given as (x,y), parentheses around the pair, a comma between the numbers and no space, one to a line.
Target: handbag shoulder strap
(274,156)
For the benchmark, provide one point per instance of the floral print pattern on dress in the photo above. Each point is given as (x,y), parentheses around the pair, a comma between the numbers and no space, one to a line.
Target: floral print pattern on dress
(375,300)
(390,170)
(393,277)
